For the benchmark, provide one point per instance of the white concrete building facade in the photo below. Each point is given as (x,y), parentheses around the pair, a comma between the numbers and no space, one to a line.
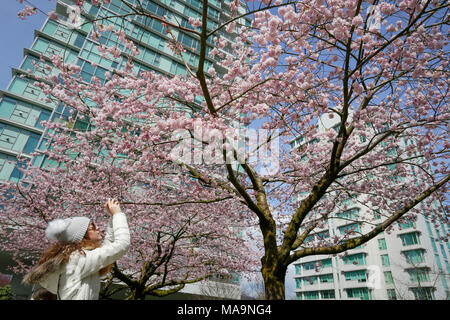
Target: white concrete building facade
(410,262)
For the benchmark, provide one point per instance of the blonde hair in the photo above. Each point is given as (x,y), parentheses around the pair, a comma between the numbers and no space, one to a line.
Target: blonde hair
(65,250)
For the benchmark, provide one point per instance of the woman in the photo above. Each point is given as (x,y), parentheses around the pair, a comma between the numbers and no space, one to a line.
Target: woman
(72,267)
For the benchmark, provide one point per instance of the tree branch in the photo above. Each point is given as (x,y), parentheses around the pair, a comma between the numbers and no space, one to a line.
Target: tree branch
(353,243)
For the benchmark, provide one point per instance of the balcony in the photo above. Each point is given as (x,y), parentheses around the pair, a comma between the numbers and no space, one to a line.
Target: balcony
(423,284)
(311,272)
(407,265)
(316,287)
(352,267)
(351,284)
(416,246)
(407,230)
(361,249)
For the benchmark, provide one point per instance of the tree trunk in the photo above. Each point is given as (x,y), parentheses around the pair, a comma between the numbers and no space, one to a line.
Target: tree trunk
(273,274)
(136,294)
(274,286)
(272,267)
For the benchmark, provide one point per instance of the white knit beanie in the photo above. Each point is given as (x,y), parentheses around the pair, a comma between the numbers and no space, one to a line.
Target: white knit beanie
(67,230)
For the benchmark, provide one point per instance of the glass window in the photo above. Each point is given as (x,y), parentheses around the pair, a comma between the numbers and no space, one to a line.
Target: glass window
(137,67)
(385,260)
(327,294)
(118,7)
(31,91)
(326,278)
(22,112)
(308,266)
(8,137)
(311,295)
(79,40)
(410,238)
(100,74)
(349,229)
(444,254)
(298,269)
(140,34)
(444,282)
(326,263)
(433,244)
(50,27)
(414,256)
(391,294)
(349,214)
(7,107)
(322,235)
(405,225)
(195,3)
(177,69)
(91,53)
(31,144)
(148,56)
(309,238)
(215,2)
(7,164)
(13,138)
(40,45)
(48,163)
(388,277)
(418,275)
(438,261)
(382,244)
(310,280)
(42,145)
(92,10)
(429,228)
(447,265)
(157,26)
(87,67)
(359,275)
(191,13)
(16,174)
(189,41)
(438,234)
(88,71)
(86,26)
(356,259)
(349,201)
(422,293)
(81,125)
(51,48)
(18,85)
(44,115)
(361,293)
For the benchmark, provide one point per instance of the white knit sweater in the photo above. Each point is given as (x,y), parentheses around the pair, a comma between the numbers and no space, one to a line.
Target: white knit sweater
(79,278)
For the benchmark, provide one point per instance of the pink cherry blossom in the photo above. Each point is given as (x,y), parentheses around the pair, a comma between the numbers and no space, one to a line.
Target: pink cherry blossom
(385,145)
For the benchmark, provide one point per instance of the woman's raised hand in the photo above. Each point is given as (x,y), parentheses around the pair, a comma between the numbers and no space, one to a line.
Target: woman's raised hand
(112,206)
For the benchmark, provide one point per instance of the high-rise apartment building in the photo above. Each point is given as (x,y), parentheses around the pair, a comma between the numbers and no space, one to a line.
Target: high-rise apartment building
(410,262)
(23,105)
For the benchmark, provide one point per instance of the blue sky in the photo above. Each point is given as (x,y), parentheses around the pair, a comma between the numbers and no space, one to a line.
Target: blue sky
(16,34)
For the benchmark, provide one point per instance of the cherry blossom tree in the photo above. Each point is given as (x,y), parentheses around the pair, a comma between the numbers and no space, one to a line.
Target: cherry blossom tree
(172,244)
(377,70)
